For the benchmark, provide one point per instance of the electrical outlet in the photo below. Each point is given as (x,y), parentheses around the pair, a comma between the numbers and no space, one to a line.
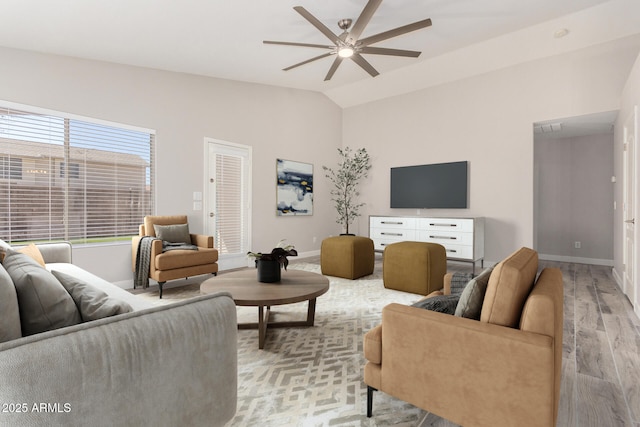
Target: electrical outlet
(577,245)
(315,239)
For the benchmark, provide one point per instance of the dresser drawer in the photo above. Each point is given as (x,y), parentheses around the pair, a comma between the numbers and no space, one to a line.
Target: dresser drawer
(446,237)
(459,251)
(380,244)
(396,234)
(453,224)
(392,222)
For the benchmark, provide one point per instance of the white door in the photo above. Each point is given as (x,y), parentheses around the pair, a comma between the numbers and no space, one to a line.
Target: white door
(630,286)
(228,201)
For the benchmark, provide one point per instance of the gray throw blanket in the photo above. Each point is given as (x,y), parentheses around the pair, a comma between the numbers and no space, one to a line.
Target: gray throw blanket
(143,262)
(143,258)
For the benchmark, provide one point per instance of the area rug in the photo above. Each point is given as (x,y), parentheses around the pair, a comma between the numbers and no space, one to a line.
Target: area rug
(313,376)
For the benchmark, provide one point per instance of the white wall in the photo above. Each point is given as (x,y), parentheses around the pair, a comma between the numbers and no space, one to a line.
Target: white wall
(184,109)
(574,194)
(486,120)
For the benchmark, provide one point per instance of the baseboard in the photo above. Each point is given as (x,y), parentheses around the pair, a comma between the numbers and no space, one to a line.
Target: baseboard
(577,260)
(308,254)
(617,278)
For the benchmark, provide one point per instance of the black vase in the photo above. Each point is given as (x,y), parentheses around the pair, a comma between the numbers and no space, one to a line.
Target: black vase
(268,271)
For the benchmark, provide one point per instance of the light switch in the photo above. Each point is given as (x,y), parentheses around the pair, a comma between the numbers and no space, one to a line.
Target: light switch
(197,196)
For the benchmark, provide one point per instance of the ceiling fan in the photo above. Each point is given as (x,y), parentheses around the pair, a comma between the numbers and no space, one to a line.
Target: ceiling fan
(349,45)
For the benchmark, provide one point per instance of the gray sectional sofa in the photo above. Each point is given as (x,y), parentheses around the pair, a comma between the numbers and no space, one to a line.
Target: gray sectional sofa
(163,366)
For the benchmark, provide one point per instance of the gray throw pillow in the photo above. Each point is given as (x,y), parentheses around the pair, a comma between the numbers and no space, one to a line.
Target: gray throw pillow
(92,303)
(43,302)
(177,233)
(440,303)
(10,326)
(472,297)
(459,282)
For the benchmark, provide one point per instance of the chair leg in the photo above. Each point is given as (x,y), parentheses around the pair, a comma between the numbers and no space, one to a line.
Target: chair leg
(160,284)
(370,391)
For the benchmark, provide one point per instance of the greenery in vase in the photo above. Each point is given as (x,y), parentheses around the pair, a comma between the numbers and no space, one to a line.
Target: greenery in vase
(279,253)
(352,167)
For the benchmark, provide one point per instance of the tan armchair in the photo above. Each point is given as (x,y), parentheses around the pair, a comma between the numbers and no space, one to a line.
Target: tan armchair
(175,264)
(503,370)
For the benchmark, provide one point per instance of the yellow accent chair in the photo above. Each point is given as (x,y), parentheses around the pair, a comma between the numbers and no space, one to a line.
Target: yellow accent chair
(175,264)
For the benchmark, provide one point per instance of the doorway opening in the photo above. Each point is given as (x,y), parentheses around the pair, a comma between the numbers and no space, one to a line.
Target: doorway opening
(573,189)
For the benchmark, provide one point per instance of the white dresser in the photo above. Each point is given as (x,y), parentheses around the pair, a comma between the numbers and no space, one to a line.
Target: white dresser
(463,238)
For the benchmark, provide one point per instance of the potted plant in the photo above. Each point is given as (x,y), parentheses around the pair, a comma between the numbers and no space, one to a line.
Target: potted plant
(352,167)
(269,264)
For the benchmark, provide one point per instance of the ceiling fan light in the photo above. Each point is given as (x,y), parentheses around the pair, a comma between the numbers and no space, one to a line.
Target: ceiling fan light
(345,52)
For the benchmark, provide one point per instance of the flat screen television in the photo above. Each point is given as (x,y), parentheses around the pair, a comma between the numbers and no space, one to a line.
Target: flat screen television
(441,185)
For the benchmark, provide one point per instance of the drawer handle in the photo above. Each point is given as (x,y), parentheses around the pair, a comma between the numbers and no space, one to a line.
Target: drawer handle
(391,222)
(391,234)
(452,250)
(443,225)
(443,237)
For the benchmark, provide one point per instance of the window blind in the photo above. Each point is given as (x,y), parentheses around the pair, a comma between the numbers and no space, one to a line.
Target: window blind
(229,204)
(62,178)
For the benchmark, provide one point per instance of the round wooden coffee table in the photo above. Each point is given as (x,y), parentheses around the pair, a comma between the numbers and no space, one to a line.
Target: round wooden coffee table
(295,286)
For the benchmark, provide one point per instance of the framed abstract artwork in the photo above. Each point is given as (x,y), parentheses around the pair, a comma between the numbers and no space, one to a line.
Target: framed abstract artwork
(294,188)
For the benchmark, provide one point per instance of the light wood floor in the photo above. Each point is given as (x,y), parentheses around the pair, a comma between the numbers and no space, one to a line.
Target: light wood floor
(601,352)
(601,360)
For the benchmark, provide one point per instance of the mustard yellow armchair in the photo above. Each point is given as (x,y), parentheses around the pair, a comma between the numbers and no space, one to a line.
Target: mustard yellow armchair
(178,262)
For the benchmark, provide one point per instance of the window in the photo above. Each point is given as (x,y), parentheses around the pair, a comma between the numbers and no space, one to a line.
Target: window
(10,168)
(74,170)
(66,178)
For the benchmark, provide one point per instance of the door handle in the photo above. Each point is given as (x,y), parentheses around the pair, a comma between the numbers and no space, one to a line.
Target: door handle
(631,221)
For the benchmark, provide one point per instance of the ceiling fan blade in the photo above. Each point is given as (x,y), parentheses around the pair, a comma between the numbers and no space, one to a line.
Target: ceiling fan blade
(396,32)
(316,23)
(315,58)
(363,20)
(358,59)
(320,46)
(385,51)
(333,68)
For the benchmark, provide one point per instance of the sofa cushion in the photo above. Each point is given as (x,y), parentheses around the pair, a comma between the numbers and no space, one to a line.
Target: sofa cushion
(185,258)
(108,288)
(92,303)
(440,303)
(472,297)
(43,302)
(33,251)
(509,286)
(176,233)
(10,326)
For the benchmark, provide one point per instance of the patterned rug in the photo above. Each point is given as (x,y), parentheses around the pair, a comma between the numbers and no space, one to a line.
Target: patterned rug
(313,376)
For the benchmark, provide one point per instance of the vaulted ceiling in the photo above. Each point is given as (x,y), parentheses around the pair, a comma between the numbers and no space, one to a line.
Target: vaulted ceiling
(224,38)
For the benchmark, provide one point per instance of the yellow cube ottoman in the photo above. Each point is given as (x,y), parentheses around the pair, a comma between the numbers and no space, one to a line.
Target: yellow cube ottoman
(350,257)
(416,267)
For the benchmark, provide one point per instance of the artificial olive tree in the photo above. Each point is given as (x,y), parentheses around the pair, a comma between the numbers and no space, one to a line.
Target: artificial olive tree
(352,167)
